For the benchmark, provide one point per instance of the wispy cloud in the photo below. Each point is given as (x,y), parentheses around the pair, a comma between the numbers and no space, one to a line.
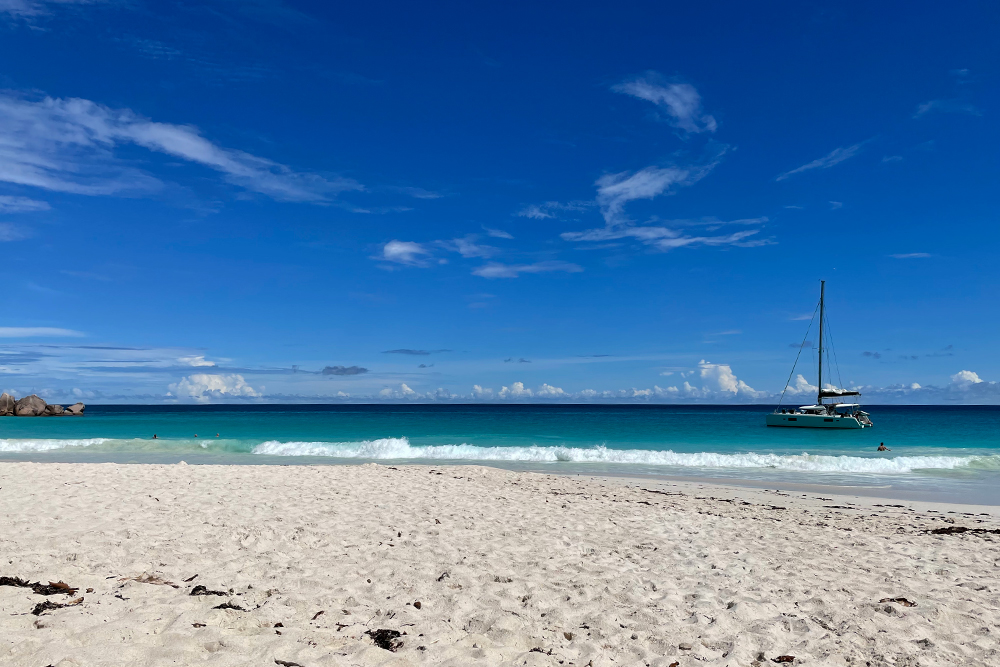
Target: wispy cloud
(33,8)
(552,209)
(498,233)
(946,106)
(12,232)
(498,270)
(834,157)
(467,247)
(39,332)
(680,102)
(614,191)
(416,193)
(666,238)
(10,204)
(412,352)
(911,255)
(68,145)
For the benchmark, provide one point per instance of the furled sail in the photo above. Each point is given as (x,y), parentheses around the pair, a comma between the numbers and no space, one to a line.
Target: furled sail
(835,393)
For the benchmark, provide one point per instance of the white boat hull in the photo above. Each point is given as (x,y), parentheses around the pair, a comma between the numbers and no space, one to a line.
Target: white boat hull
(813,421)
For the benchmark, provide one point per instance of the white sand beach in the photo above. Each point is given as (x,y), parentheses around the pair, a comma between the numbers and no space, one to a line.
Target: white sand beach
(474,565)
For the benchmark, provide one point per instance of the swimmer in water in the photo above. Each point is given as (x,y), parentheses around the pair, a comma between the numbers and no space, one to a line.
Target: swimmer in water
(883,448)
(154,436)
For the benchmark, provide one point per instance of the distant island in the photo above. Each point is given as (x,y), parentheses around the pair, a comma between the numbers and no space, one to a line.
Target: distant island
(34,406)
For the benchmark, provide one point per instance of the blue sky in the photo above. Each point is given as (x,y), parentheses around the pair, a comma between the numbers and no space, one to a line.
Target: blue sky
(295,201)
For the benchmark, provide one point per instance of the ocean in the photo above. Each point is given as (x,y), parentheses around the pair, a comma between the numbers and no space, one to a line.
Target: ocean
(945,453)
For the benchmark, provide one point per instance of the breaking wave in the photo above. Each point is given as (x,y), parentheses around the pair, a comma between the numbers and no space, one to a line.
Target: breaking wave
(47,445)
(400,448)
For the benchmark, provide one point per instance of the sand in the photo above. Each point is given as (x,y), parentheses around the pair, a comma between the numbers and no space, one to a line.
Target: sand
(508,568)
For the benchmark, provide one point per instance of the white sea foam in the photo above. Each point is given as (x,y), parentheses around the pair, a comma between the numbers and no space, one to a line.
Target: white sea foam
(46,445)
(400,448)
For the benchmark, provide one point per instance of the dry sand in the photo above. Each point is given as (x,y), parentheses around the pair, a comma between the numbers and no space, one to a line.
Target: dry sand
(508,568)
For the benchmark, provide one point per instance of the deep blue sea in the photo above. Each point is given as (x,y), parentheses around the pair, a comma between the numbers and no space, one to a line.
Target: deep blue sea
(944,452)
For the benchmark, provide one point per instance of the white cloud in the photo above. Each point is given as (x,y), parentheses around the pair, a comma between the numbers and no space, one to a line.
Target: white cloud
(498,270)
(204,387)
(195,360)
(965,388)
(801,386)
(480,393)
(548,391)
(911,255)
(834,157)
(405,252)
(404,391)
(723,379)
(614,191)
(834,205)
(965,379)
(9,204)
(68,145)
(516,390)
(680,101)
(39,332)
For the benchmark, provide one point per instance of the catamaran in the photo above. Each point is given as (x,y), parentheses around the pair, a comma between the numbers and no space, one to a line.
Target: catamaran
(822,415)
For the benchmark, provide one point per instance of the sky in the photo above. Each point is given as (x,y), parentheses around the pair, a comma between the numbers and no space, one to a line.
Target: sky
(273,201)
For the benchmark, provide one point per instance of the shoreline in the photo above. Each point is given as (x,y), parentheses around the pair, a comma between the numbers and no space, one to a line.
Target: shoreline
(317,565)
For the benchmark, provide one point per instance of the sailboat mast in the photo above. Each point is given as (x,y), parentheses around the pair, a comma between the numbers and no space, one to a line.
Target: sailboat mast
(822,292)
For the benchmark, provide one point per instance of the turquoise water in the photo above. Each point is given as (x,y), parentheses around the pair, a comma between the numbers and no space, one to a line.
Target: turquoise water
(949,451)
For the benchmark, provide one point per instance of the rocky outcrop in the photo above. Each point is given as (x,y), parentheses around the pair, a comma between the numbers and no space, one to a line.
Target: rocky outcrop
(33,406)
(29,406)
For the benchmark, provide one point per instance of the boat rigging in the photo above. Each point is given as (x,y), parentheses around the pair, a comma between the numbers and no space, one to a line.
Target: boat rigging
(821,415)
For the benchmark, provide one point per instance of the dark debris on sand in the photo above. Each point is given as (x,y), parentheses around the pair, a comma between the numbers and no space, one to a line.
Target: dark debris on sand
(902,601)
(958,530)
(43,607)
(386,639)
(201,590)
(53,587)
